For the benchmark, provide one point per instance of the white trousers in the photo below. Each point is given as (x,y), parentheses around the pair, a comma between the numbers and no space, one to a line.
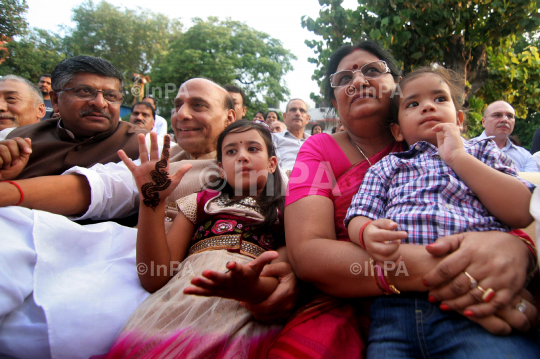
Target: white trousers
(65,289)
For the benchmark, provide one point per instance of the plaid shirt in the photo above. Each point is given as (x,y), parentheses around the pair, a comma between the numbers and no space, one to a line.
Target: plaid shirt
(417,190)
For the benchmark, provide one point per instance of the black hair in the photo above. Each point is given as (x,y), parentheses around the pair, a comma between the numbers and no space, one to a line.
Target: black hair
(67,69)
(44,75)
(236,89)
(277,114)
(150,97)
(457,92)
(262,113)
(272,197)
(313,128)
(370,46)
(147,104)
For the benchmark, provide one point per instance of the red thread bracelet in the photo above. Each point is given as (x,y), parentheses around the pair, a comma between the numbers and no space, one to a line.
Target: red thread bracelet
(20,191)
(361,234)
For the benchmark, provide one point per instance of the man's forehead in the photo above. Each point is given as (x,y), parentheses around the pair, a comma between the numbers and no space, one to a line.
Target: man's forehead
(500,107)
(297,104)
(141,108)
(12,86)
(90,79)
(201,88)
(45,79)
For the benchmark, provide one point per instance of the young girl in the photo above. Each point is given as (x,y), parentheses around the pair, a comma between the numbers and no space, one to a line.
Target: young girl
(216,234)
(442,185)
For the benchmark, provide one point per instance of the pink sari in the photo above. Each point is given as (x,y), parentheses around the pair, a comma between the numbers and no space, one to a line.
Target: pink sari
(330,327)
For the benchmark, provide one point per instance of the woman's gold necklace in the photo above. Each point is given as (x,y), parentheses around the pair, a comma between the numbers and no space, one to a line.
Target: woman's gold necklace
(362,152)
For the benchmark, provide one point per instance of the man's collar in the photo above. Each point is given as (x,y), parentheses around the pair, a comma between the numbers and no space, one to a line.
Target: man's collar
(67,135)
(508,144)
(291,135)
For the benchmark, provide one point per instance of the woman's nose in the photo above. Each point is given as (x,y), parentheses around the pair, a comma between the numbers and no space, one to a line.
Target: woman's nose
(359,79)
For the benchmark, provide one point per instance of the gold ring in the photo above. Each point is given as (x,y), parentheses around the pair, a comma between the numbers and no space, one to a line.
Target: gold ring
(487,295)
(473,283)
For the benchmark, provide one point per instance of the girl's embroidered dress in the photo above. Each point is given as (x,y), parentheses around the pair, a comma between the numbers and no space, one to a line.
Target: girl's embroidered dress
(170,324)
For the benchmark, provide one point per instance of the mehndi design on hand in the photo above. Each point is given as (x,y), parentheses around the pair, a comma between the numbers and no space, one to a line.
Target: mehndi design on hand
(150,191)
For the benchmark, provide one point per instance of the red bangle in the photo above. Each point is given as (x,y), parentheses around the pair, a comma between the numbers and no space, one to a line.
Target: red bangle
(530,245)
(20,191)
(361,234)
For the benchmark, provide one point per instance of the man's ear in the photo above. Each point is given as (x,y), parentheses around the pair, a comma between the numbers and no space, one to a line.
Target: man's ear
(41,111)
(272,164)
(244,110)
(483,122)
(231,117)
(54,100)
(396,131)
(459,118)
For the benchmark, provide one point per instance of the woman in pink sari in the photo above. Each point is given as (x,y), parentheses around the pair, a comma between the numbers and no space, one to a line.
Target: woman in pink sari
(327,173)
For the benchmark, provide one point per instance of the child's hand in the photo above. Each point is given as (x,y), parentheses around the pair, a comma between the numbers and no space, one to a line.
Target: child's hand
(152,176)
(382,241)
(240,282)
(449,142)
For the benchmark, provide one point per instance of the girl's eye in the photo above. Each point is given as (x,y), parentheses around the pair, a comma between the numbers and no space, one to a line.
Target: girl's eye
(253,149)
(412,104)
(441,99)
(230,152)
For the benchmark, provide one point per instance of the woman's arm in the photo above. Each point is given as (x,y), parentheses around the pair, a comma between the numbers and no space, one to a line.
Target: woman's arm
(342,268)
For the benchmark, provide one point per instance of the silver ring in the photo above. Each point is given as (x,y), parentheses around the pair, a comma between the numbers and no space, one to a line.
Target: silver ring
(521,306)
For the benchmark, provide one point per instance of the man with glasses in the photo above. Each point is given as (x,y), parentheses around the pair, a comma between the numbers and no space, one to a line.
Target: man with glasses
(498,121)
(87,93)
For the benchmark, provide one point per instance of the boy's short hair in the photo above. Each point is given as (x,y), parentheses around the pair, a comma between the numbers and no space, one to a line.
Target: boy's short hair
(457,92)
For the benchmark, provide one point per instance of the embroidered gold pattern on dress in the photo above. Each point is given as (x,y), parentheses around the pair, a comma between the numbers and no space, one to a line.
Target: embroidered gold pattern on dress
(245,203)
(227,241)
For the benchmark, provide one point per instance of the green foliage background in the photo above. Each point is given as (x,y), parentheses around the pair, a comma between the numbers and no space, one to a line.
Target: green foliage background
(488,44)
(150,44)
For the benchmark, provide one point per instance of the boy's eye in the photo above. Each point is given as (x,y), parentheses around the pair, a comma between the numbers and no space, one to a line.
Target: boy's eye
(412,104)
(441,99)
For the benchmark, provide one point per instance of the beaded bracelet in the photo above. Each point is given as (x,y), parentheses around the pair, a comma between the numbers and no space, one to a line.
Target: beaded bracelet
(20,191)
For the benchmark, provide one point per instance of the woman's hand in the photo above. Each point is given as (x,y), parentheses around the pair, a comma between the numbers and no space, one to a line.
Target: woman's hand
(495,259)
(279,305)
(520,315)
(152,176)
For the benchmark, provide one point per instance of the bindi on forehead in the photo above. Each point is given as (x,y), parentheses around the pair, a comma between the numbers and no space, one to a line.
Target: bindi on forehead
(355,67)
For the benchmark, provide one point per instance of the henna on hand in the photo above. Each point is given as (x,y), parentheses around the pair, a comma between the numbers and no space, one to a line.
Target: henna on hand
(150,190)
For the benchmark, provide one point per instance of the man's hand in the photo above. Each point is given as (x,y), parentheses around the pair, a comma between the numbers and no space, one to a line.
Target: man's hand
(280,304)
(14,155)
